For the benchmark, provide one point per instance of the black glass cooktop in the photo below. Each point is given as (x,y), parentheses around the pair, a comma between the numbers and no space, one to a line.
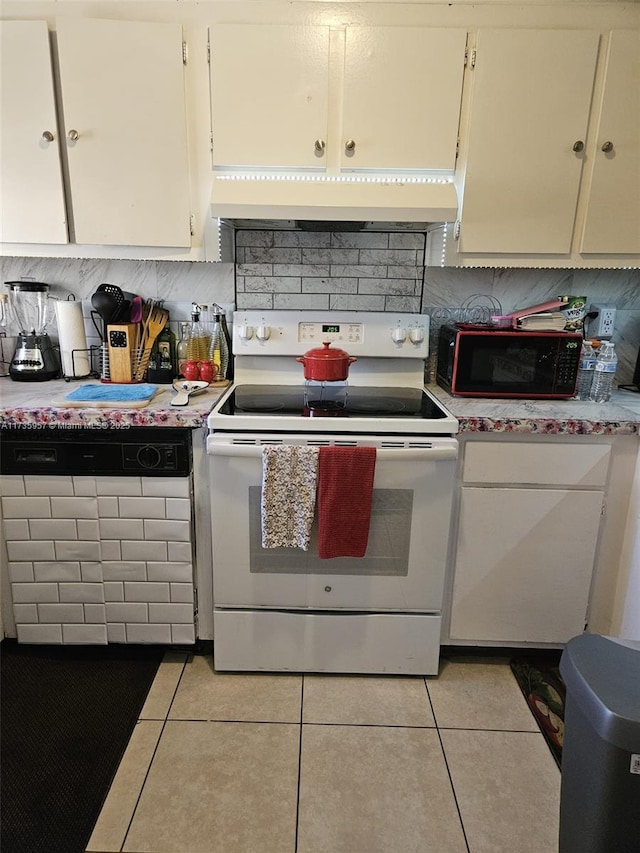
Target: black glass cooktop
(357,402)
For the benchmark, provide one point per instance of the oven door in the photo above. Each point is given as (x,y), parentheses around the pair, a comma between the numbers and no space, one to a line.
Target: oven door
(404,566)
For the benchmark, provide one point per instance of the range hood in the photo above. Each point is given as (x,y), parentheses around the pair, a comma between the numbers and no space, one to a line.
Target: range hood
(328,198)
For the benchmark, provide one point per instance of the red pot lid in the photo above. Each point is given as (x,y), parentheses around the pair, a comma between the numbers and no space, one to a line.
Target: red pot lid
(326,354)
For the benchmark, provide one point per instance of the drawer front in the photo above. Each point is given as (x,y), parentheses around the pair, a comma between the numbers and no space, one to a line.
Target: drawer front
(406,644)
(533,463)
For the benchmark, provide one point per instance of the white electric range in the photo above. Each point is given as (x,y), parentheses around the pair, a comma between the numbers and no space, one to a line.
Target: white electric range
(289,609)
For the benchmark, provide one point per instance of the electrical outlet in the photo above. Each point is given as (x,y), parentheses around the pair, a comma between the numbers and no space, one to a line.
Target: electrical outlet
(602,326)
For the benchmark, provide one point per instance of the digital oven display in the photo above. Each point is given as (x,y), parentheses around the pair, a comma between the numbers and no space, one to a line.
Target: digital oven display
(315,333)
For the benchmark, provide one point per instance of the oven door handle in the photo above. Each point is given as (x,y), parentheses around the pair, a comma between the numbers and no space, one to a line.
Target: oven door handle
(450,451)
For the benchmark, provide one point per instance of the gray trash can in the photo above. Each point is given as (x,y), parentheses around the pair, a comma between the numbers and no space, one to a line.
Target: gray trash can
(600,787)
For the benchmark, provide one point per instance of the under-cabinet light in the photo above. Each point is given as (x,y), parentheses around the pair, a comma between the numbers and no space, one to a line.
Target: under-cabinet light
(347,179)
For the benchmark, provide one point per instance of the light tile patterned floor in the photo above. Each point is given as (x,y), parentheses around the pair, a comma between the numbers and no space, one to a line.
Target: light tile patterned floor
(243,763)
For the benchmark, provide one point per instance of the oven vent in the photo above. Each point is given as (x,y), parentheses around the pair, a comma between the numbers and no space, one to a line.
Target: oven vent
(252,442)
(420,445)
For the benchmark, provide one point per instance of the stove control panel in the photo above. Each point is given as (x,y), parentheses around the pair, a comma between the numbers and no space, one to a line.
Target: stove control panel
(361,333)
(318,333)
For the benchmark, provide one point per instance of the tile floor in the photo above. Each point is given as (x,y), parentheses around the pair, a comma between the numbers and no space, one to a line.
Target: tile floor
(244,763)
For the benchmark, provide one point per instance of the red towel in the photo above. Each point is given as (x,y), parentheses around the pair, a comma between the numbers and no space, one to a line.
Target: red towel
(345,490)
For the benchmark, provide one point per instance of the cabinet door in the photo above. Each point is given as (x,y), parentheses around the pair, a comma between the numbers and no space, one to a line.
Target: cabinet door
(402,94)
(613,214)
(524,563)
(123,94)
(32,196)
(530,105)
(269,93)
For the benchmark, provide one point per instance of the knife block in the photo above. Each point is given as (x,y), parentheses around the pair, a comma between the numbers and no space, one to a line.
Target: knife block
(121,341)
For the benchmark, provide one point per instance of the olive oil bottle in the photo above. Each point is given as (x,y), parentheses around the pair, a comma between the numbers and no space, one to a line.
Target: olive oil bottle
(162,363)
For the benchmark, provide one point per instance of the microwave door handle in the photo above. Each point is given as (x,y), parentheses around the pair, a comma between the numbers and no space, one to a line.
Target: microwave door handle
(450,451)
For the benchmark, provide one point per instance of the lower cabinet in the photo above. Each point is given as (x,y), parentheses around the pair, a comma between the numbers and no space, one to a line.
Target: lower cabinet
(100,559)
(528,527)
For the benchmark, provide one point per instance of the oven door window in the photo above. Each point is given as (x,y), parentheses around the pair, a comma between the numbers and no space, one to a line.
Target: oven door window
(387,549)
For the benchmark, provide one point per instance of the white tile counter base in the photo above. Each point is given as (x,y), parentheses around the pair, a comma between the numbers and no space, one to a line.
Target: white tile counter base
(94,560)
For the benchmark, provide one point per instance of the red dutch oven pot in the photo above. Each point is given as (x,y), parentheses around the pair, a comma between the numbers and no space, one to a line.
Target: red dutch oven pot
(324,364)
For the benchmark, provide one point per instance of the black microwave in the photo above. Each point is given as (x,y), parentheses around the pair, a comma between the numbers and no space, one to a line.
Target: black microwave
(508,363)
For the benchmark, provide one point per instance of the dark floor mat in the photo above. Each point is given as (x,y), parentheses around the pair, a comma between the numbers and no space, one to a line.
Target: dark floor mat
(544,691)
(67,714)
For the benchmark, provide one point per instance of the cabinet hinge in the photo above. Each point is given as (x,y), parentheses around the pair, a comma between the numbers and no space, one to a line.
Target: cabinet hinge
(185,53)
(192,224)
(473,58)
(456,230)
(603,508)
(457,147)
(211,142)
(208,53)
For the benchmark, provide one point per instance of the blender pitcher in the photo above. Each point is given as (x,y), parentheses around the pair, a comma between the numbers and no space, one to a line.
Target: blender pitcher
(34,358)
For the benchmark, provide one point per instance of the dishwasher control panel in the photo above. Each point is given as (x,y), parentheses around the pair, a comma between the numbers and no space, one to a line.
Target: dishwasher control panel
(160,452)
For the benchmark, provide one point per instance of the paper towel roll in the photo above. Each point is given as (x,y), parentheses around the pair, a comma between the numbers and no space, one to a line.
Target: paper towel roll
(72,338)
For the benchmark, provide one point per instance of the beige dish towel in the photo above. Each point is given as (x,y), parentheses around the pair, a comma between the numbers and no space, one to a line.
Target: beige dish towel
(289,477)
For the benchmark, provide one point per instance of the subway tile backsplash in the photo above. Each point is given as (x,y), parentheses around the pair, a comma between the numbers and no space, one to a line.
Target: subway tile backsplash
(348,271)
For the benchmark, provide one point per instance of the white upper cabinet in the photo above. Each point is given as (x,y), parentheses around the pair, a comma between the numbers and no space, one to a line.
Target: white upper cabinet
(119,127)
(531,95)
(125,131)
(312,97)
(269,94)
(613,214)
(32,207)
(401,102)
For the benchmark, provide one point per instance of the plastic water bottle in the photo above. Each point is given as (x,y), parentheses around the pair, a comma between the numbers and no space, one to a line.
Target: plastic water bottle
(585,371)
(604,372)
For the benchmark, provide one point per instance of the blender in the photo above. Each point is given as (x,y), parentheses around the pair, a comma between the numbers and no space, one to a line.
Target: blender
(34,359)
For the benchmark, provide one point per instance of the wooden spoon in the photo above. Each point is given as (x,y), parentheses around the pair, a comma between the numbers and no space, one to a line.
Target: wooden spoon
(157,322)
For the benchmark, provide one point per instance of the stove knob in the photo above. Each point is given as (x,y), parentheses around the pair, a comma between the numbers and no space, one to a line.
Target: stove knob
(263,333)
(416,336)
(399,336)
(245,332)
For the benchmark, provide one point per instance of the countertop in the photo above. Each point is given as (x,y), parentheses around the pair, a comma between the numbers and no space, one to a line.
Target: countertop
(38,404)
(619,416)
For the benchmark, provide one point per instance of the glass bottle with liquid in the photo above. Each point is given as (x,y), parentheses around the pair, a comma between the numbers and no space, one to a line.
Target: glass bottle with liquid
(162,363)
(219,348)
(181,348)
(218,310)
(198,339)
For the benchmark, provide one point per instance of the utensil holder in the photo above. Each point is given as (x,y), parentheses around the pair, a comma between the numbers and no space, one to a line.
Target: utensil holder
(81,357)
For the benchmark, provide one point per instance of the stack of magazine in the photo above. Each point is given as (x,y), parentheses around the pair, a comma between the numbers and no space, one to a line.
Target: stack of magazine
(540,318)
(548,321)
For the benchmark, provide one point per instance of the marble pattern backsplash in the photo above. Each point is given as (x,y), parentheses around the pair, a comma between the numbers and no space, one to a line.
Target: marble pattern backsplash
(177,284)
(366,271)
(513,289)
